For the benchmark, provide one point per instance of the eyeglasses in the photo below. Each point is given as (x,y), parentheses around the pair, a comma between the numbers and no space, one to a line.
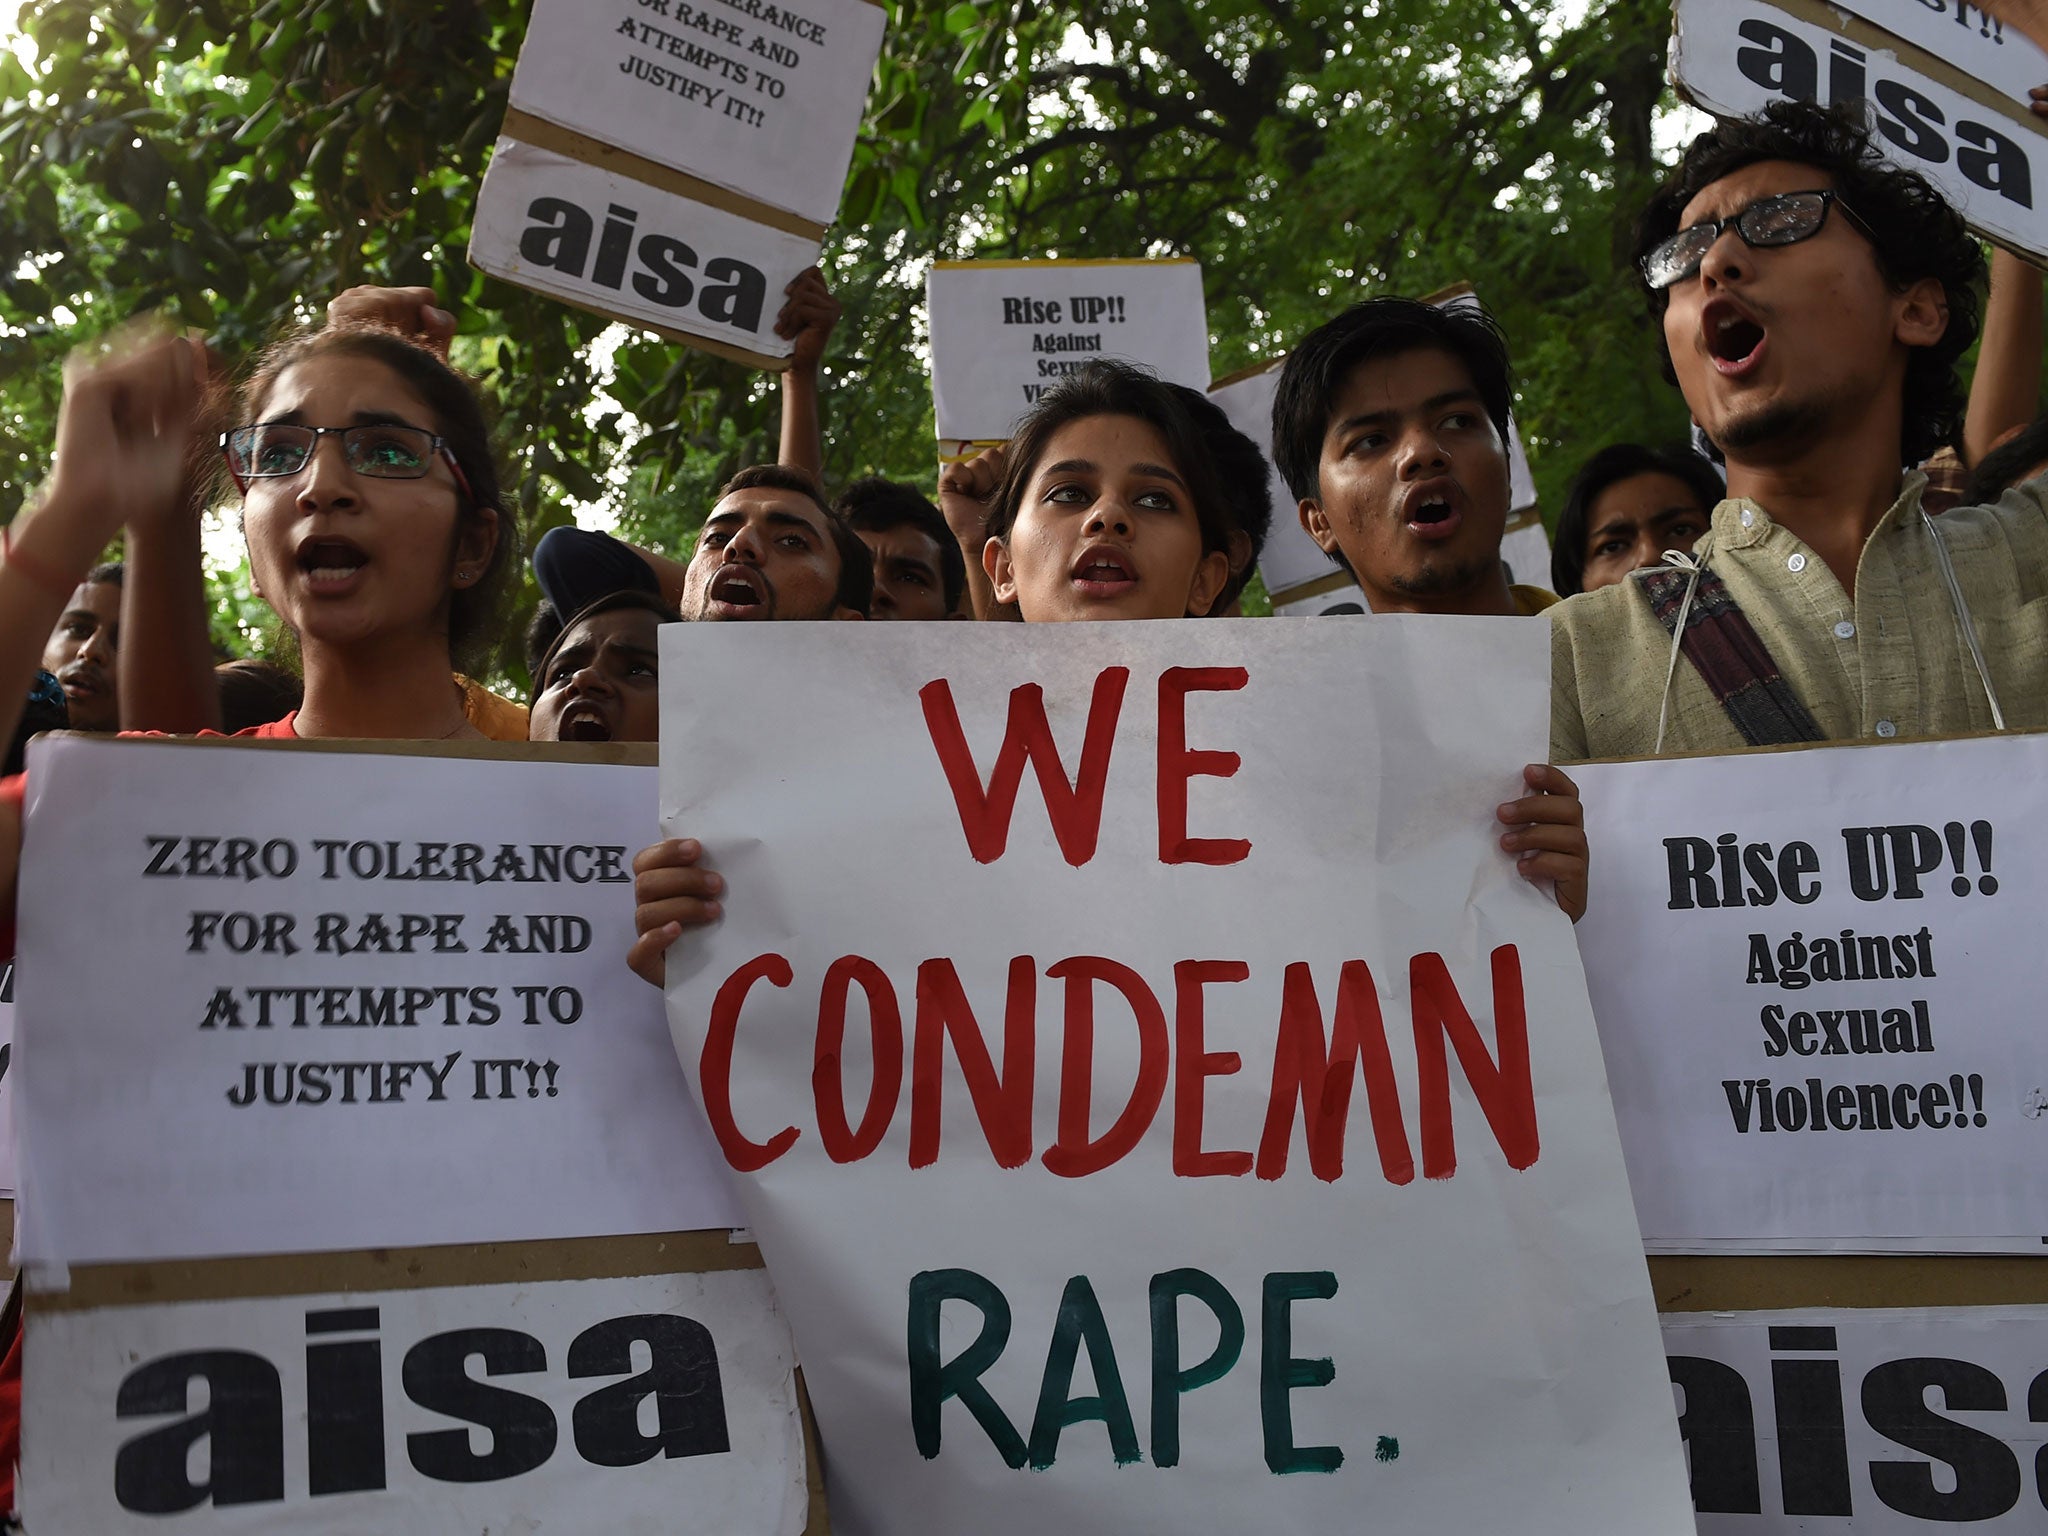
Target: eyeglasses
(1786,219)
(382,452)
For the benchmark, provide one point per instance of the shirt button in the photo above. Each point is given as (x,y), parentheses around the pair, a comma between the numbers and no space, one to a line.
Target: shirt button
(1748,517)
(1796,563)
(1845,630)
(1886,728)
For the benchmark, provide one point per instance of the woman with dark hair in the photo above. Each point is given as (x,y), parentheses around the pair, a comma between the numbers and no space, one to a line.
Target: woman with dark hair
(1625,507)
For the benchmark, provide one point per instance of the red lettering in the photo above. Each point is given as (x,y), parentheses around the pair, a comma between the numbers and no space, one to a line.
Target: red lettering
(714,1067)
(1075,809)
(1072,1155)
(1193,1066)
(1002,1103)
(1504,1089)
(1178,763)
(1316,1073)
(842,1143)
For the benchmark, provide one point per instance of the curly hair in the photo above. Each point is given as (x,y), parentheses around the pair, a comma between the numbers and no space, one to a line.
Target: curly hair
(1915,234)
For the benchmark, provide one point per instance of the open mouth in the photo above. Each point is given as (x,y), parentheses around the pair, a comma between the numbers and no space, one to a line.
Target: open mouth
(330,565)
(83,682)
(583,724)
(1104,572)
(739,593)
(1430,510)
(1429,513)
(1733,339)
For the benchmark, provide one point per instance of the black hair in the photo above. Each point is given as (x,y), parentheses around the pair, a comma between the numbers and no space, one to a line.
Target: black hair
(856,564)
(475,612)
(1247,483)
(1610,466)
(1316,372)
(876,505)
(254,692)
(541,632)
(110,574)
(1105,387)
(1911,227)
(611,602)
(2007,464)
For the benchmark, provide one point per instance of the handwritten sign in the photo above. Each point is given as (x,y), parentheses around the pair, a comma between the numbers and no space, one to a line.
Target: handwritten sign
(1004,332)
(763,97)
(1817,978)
(1099,990)
(1978,145)
(1874,1422)
(362,1001)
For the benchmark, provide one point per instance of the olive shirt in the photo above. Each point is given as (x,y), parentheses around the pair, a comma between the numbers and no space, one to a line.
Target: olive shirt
(1892,661)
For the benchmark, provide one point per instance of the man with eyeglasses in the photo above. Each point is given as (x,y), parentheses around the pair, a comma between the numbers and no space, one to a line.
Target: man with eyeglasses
(1813,302)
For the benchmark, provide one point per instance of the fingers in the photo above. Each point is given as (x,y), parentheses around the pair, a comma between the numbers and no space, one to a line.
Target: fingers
(1549,780)
(671,892)
(1567,876)
(411,312)
(2038,100)
(1554,810)
(648,956)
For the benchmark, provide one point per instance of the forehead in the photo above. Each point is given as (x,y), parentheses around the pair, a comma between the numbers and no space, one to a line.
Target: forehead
(1397,382)
(102,599)
(1106,441)
(621,626)
(332,389)
(759,503)
(1738,189)
(905,541)
(1644,495)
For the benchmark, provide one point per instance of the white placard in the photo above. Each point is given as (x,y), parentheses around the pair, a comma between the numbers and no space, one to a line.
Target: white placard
(667,1402)
(623,248)
(1978,44)
(1526,550)
(1867,1422)
(476,1089)
(1346,601)
(1004,332)
(1735,57)
(7,1185)
(1001,1141)
(1817,976)
(761,96)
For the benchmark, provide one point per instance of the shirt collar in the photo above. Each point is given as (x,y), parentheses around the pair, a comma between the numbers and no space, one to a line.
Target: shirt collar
(1740,523)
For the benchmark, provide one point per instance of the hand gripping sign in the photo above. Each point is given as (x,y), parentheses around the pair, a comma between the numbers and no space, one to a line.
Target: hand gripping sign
(1159,1101)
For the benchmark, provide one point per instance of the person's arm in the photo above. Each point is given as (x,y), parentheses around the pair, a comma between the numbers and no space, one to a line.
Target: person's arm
(411,312)
(2006,389)
(808,314)
(966,491)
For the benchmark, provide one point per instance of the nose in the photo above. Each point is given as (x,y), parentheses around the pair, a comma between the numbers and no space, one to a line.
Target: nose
(745,547)
(1727,259)
(1649,549)
(98,647)
(327,480)
(1421,455)
(590,680)
(1110,515)
(883,604)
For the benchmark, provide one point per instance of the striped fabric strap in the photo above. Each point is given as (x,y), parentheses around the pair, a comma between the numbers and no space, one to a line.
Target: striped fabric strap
(1730,657)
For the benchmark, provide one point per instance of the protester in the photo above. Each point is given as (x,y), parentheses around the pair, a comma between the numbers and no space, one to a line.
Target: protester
(1247,487)
(254,692)
(809,312)
(1390,426)
(1813,302)
(1111,506)
(600,680)
(771,549)
(919,570)
(84,651)
(1625,507)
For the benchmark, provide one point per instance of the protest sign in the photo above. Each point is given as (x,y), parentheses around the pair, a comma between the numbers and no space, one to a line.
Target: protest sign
(1329,1281)
(599,239)
(1877,1422)
(361,1000)
(1933,111)
(1975,42)
(1525,548)
(662,1399)
(1817,977)
(762,97)
(1004,332)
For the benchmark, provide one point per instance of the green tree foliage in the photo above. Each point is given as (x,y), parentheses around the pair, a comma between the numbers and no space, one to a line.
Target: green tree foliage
(235,166)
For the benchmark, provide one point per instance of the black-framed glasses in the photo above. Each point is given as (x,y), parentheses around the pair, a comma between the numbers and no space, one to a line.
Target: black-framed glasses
(1785,219)
(384,451)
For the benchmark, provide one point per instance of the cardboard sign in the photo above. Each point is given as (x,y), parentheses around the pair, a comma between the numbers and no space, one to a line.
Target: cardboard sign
(1879,1422)
(1979,145)
(1004,332)
(763,97)
(1817,976)
(667,1400)
(1159,1100)
(604,241)
(1963,35)
(362,1000)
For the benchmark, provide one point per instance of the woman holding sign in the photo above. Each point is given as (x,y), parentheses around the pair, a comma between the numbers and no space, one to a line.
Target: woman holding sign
(1111,506)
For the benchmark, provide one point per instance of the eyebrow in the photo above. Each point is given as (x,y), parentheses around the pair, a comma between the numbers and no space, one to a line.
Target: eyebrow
(916,563)
(773,519)
(297,418)
(1433,403)
(1086,467)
